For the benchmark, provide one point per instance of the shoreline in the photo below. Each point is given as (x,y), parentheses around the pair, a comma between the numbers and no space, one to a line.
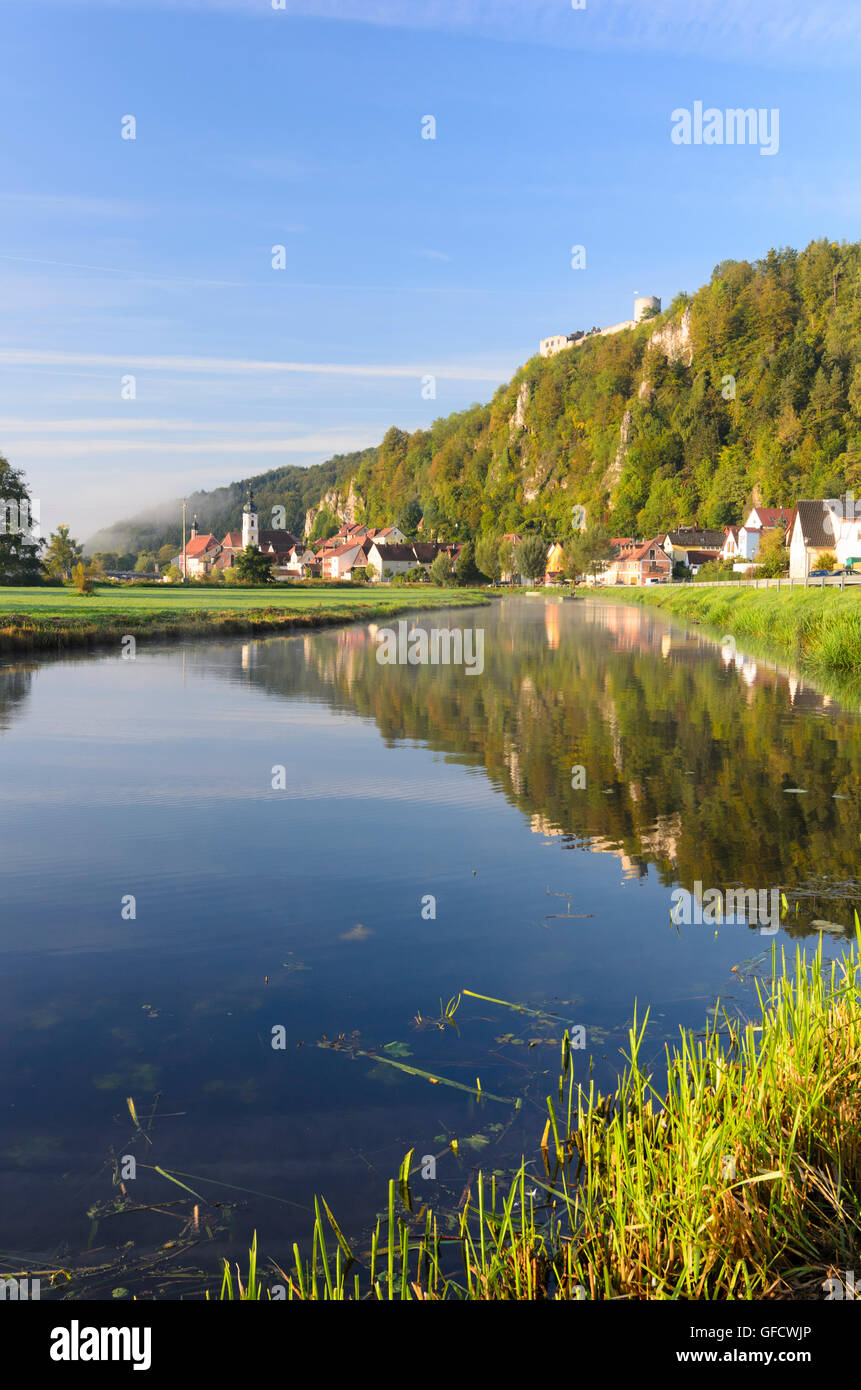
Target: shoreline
(22,632)
(818,630)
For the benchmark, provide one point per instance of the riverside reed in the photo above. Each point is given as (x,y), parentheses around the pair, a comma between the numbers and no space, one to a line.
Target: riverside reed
(819,628)
(739,1179)
(56,619)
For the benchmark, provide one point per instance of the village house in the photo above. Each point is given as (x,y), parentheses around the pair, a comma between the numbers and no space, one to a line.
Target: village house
(389,560)
(827,527)
(679,544)
(201,553)
(555,567)
(764,518)
(641,562)
(340,562)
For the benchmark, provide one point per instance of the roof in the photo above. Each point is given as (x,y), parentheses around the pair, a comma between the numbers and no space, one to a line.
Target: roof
(691,538)
(233,540)
(640,551)
(198,545)
(771,516)
(426,551)
(398,553)
(344,550)
(812,517)
(701,557)
(280,540)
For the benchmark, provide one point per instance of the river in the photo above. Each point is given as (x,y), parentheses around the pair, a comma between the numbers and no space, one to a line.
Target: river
(181,929)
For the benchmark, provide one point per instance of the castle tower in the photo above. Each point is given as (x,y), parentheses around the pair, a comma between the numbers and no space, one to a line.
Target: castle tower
(643,303)
(250,529)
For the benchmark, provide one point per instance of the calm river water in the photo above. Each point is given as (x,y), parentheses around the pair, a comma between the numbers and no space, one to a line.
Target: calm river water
(428,841)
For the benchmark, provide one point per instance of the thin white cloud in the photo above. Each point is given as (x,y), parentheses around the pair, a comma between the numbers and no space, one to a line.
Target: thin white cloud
(10,424)
(794,32)
(70,205)
(335,441)
(35,357)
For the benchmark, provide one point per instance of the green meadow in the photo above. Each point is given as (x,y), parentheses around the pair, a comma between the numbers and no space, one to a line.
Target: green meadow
(47,618)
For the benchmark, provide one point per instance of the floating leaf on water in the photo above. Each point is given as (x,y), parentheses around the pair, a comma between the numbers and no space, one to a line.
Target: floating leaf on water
(398,1049)
(821,925)
(477,1141)
(119,1293)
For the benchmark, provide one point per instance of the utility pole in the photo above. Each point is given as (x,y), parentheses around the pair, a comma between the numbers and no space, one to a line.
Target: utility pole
(184,555)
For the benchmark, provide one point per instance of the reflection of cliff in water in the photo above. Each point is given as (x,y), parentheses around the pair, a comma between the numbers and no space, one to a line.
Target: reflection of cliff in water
(708,766)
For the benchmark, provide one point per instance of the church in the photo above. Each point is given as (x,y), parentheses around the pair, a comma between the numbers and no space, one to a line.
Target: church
(205,553)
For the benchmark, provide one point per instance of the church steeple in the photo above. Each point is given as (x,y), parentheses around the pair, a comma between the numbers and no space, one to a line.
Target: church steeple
(194,526)
(250,528)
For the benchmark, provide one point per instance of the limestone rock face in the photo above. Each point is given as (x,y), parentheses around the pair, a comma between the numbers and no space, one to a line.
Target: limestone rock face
(674,340)
(346,509)
(518,419)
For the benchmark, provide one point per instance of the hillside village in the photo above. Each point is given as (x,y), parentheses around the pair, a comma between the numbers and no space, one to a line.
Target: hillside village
(813,536)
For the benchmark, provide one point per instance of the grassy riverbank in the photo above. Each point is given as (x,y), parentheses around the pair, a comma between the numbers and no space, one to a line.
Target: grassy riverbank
(741,1180)
(55,619)
(817,628)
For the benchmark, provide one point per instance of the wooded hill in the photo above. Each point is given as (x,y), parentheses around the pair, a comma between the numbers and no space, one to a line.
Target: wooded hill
(748,390)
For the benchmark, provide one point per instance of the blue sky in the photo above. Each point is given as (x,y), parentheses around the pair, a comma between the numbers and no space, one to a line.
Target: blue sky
(405,257)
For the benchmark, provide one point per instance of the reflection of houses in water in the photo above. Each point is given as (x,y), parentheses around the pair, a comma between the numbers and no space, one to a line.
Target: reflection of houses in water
(551,625)
(659,842)
(540,825)
(512,762)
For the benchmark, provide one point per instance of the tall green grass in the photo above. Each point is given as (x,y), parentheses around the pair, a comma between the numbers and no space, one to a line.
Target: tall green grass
(738,1177)
(819,628)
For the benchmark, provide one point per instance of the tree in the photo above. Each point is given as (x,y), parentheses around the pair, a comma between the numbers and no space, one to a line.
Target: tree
(487,556)
(598,549)
(370,573)
(441,570)
(773,556)
(410,518)
(166,554)
(252,567)
(173,573)
(19,549)
(326,524)
(82,578)
(62,554)
(465,568)
(533,556)
(145,563)
(576,559)
(508,562)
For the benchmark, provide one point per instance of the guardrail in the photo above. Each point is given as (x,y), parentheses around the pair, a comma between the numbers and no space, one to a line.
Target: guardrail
(838,581)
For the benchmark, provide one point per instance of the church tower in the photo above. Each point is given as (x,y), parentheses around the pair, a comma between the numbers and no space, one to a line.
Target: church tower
(249,522)
(194,527)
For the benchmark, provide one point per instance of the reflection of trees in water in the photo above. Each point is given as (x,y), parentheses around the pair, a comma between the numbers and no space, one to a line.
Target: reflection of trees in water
(15,682)
(687,758)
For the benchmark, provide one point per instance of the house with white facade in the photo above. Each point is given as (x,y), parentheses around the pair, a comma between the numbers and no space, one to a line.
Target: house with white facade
(830,526)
